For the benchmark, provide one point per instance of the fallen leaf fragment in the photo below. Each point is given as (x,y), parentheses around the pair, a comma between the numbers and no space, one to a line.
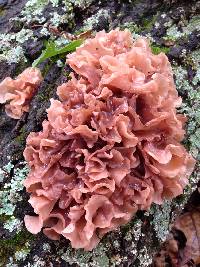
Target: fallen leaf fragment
(189,225)
(182,248)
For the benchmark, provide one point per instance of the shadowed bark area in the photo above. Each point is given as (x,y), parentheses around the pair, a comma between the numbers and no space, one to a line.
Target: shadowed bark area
(172,27)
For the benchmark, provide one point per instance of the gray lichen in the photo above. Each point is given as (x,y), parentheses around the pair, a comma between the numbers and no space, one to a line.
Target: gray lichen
(173,32)
(94,19)
(13,224)
(20,255)
(190,107)
(11,45)
(33,11)
(144,258)
(161,219)
(96,258)
(10,194)
(37,262)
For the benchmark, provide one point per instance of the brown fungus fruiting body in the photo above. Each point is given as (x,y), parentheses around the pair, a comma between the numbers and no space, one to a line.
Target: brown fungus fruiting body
(19,92)
(111,145)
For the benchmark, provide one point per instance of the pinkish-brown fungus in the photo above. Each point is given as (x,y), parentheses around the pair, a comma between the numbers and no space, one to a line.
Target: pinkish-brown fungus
(19,92)
(111,145)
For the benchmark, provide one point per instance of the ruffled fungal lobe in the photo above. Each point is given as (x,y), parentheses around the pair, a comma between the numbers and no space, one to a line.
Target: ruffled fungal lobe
(111,145)
(19,92)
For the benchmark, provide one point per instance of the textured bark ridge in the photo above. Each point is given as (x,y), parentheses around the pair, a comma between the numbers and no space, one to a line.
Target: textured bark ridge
(173,28)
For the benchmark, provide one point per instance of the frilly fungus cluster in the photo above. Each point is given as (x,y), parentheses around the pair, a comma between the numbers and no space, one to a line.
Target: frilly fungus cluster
(111,145)
(19,92)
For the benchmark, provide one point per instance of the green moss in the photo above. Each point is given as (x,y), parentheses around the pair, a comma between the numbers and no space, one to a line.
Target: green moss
(46,95)
(158,49)
(9,247)
(21,138)
(46,68)
(148,23)
(2,12)
(21,67)
(18,240)
(4,218)
(127,227)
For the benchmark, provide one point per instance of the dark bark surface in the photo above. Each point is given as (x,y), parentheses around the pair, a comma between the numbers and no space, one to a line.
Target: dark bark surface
(136,243)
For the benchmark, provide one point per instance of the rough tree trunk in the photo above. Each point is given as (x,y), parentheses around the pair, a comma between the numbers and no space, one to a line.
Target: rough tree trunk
(172,27)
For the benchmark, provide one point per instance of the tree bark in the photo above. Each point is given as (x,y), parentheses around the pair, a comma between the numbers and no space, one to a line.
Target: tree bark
(170,25)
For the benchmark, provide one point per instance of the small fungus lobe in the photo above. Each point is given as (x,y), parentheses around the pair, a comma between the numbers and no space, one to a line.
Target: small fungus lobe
(111,144)
(19,92)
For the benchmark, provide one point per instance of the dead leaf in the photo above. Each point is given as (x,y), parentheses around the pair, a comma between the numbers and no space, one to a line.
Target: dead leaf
(84,35)
(54,30)
(189,225)
(169,43)
(182,247)
(168,253)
